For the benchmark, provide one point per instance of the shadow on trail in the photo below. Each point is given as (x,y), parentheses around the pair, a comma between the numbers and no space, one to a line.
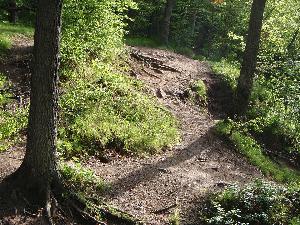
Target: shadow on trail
(220,96)
(149,172)
(16,66)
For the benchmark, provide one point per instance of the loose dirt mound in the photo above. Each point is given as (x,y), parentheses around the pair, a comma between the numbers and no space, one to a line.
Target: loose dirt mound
(152,187)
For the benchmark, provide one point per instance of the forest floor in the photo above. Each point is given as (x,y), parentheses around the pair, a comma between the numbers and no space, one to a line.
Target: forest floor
(152,187)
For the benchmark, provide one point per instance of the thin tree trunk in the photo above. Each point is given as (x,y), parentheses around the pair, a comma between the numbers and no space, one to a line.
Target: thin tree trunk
(165,29)
(12,11)
(39,167)
(245,81)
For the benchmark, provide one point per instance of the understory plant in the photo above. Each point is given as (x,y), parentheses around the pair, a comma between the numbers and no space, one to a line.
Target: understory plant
(263,203)
(104,109)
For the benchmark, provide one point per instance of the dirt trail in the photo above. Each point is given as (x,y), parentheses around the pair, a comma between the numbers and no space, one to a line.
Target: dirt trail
(152,187)
(16,66)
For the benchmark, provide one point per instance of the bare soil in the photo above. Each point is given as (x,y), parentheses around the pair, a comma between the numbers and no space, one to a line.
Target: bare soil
(152,187)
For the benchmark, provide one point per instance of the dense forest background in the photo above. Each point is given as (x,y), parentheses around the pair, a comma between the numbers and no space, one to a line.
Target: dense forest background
(101,109)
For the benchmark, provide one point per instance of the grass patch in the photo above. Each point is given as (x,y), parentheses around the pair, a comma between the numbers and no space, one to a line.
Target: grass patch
(7,31)
(201,91)
(104,109)
(81,179)
(142,41)
(174,218)
(5,44)
(227,71)
(153,43)
(253,151)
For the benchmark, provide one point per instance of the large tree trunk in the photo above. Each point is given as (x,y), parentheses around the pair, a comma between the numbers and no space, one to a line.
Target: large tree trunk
(39,167)
(166,21)
(245,82)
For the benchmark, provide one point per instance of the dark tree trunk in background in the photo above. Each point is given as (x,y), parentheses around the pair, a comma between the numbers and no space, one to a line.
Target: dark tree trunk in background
(166,21)
(39,168)
(245,81)
(12,11)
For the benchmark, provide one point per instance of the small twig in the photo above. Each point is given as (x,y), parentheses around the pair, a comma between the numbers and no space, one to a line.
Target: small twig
(86,215)
(150,74)
(163,210)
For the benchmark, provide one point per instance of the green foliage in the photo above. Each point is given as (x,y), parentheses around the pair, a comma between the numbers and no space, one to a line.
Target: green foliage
(259,203)
(174,219)
(103,109)
(146,18)
(256,155)
(93,29)
(227,71)
(80,178)
(274,108)
(200,89)
(142,41)
(8,31)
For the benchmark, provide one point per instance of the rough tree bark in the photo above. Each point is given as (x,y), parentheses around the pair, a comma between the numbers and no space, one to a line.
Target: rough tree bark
(165,28)
(38,171)
(245,81)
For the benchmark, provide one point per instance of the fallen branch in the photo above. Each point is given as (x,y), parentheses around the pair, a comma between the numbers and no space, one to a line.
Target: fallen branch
(166,209)
(152,62)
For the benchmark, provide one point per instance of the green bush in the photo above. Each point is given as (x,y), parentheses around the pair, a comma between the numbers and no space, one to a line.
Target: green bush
(260,203)
(103,109)
(80,178)
(93,29)
(227,71)
(200,90)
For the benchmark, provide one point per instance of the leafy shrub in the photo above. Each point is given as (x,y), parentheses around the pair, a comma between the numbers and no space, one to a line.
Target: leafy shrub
(105,109)
(4,44)
(93,29)
(200,90)
(80,178)
(228,71)
(259,203)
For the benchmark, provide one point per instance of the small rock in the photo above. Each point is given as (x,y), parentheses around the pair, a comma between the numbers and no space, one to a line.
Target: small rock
(202,159)
(163,170)
(222,184)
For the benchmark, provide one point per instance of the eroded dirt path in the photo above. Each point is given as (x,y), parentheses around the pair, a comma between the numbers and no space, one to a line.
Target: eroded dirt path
(152,187)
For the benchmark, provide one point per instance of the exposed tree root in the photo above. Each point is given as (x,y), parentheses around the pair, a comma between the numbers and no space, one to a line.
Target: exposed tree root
(58,200)
(153,63)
